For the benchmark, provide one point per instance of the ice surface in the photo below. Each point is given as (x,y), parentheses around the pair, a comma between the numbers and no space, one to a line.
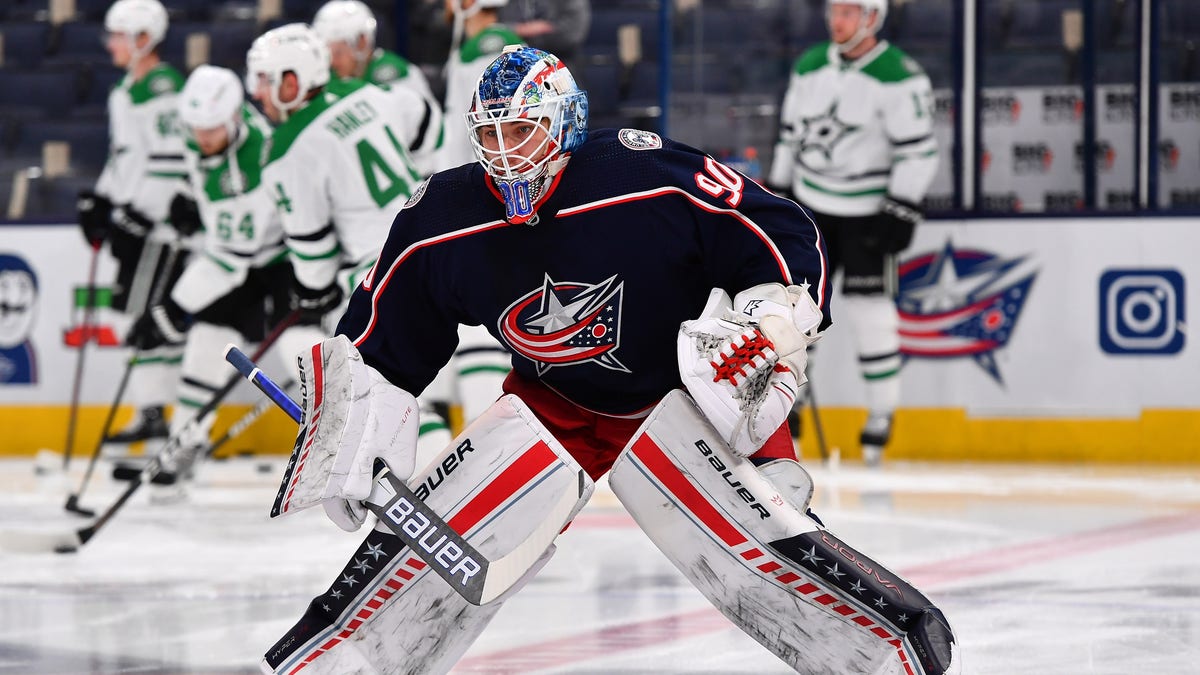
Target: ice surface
(1041,570)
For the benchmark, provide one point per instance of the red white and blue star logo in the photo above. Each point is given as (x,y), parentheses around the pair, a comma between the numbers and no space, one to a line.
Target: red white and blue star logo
(961,303)
(567,324)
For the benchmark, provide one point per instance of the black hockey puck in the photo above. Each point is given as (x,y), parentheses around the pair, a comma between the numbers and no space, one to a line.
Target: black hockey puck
(66,548)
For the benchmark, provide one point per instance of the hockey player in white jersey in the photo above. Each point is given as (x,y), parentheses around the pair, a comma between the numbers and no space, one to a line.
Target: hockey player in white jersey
(129,204)
(348,27)
(473,378)
(478,37)
(238,285)
(856,146)
(344,157)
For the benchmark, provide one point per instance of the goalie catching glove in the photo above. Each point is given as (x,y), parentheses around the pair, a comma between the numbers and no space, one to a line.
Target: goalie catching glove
(743,361)
(352,415)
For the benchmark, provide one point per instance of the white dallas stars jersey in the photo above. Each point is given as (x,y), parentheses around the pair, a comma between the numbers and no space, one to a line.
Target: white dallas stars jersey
(852,132)
(338,171)
(462,73)
(145,159)
(241,226)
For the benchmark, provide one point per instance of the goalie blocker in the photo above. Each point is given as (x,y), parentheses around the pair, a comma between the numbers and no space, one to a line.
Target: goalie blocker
(800,591)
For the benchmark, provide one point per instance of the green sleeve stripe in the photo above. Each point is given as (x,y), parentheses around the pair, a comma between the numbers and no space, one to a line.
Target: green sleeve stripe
(169,360)
(846,193)
(483,369)
(320,256)
(881,376)
(221,263)
(427,427)
(167,174)
(900,157)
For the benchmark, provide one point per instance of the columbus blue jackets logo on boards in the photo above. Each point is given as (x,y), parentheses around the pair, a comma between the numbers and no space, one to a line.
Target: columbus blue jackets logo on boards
(567,324)
(961,303)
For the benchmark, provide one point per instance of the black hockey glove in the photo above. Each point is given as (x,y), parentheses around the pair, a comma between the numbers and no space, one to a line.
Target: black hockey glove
(185,216)
(129,232)
(900,219)
(95,216)
(314,304)
(161,325)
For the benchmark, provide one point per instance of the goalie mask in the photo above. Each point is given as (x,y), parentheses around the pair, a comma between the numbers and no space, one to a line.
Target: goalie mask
(131,18)
(527,117)
(873,14)
(294,48)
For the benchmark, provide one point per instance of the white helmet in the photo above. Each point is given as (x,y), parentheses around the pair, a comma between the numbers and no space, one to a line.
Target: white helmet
(212,97)
(865,27)
(134,17)
(294,48)
(344,21)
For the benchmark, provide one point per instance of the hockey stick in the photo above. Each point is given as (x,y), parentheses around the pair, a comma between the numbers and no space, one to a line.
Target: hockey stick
(70,541)
(72,504)
(88,314)
(234,430)
(811,395)
(394,503)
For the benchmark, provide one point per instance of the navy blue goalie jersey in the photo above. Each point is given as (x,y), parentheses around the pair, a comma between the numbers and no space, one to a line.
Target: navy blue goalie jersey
(632,237)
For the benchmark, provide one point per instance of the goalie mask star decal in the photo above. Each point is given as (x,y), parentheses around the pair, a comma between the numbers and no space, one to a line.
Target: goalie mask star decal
(566,324)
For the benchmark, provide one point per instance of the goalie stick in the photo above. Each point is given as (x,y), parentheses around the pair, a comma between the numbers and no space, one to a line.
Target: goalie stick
(69,541)
(478,580)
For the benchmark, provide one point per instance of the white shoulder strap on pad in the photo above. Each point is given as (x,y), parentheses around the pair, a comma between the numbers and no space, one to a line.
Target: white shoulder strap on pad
(494,484)
(813,601)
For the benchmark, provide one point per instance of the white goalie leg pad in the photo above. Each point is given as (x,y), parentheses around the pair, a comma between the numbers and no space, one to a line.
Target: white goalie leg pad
(352,415)
(387,611)
(813,601)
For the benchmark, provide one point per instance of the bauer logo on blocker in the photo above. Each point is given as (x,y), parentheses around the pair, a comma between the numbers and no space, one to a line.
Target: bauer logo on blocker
(1142,311)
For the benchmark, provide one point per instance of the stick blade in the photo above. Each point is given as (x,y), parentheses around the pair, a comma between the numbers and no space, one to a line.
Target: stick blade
(506,571)
(40,541)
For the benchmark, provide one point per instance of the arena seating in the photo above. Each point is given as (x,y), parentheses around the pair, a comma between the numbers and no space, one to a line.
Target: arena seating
(54,78)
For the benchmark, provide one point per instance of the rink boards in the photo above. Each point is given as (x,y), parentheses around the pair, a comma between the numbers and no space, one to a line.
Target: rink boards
(1025,340)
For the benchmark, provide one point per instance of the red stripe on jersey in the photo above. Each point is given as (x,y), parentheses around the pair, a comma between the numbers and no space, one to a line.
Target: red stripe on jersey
(750,224)
(413,248)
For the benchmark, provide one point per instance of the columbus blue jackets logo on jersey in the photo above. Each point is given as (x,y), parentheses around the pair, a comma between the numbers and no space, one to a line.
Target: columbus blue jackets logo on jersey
(567,324)
(636,139)
(961,303)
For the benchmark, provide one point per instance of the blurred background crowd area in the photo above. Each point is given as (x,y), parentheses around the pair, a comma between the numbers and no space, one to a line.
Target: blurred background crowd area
(1046,75)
